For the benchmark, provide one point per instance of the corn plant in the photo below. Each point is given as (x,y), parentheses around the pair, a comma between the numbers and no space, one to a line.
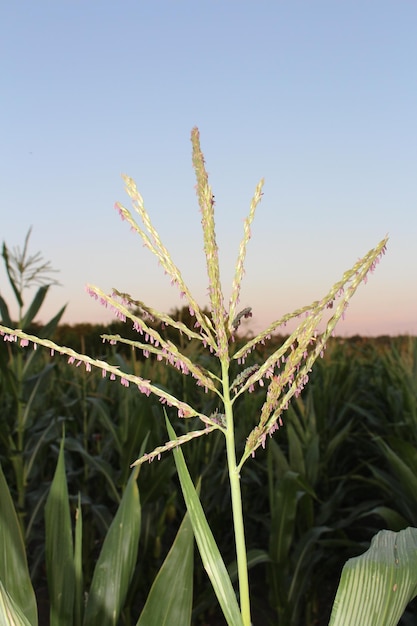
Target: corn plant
(388,411)
(24,377)
(283,374)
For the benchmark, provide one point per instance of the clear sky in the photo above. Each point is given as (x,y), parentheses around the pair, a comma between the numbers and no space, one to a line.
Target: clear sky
(319,97)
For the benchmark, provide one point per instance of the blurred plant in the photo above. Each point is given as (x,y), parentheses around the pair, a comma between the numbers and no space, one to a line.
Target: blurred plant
(285,371)
(387,407)
(24,271)
(24,377)
(313,501)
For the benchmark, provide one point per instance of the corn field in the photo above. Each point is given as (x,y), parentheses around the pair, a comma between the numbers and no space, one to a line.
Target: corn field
(343,467)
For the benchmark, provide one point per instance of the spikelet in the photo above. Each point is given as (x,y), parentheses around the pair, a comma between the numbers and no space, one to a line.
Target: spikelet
(234,320)
(206,202)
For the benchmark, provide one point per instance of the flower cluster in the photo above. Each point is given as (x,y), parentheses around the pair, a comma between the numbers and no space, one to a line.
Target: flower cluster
(284,373)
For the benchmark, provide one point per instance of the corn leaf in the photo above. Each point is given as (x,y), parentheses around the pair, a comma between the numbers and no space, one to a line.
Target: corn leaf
(116,563)
(78,571)
(284,508)
(254,557)
(402,457)
(35,305)
(5,255)
(210,554)
(376,587)
(14,573)
(10,613)
(4,313)
(59,548)
(99,464)
(171,596)
(48,329)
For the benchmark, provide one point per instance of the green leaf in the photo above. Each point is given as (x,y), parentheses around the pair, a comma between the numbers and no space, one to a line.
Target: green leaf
(59,548)
(14,572)
(4,313)
(284,508)
(254,557)
(36,381)
(10,613)
(393,519)
(5,255)
(39,441)
(210,554)
(402,457)
(47,330)
(78,572)
(116,563)
(171,596)
(8,377)
(277,464)
(306,554)
(376,587)
(97,462)
(101,409)
(34,306)
(44,332)
(296,452)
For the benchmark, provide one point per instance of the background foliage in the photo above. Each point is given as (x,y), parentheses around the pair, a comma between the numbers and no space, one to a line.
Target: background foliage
(314,497)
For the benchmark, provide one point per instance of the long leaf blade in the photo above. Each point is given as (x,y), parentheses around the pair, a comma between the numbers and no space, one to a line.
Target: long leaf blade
(116,563)
(34,306)
(14,572)
(171,596)
(283,516)
(59,548)
(17,293)
(78,571)
(10,613)
(210,555)
(4,312)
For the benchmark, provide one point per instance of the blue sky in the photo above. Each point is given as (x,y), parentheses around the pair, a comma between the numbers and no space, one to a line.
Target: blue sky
(320,98)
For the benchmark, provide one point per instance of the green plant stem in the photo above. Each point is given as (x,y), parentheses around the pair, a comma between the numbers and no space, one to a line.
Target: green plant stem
(236,496)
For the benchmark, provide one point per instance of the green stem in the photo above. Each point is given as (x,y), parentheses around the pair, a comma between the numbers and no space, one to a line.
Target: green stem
(236,495)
